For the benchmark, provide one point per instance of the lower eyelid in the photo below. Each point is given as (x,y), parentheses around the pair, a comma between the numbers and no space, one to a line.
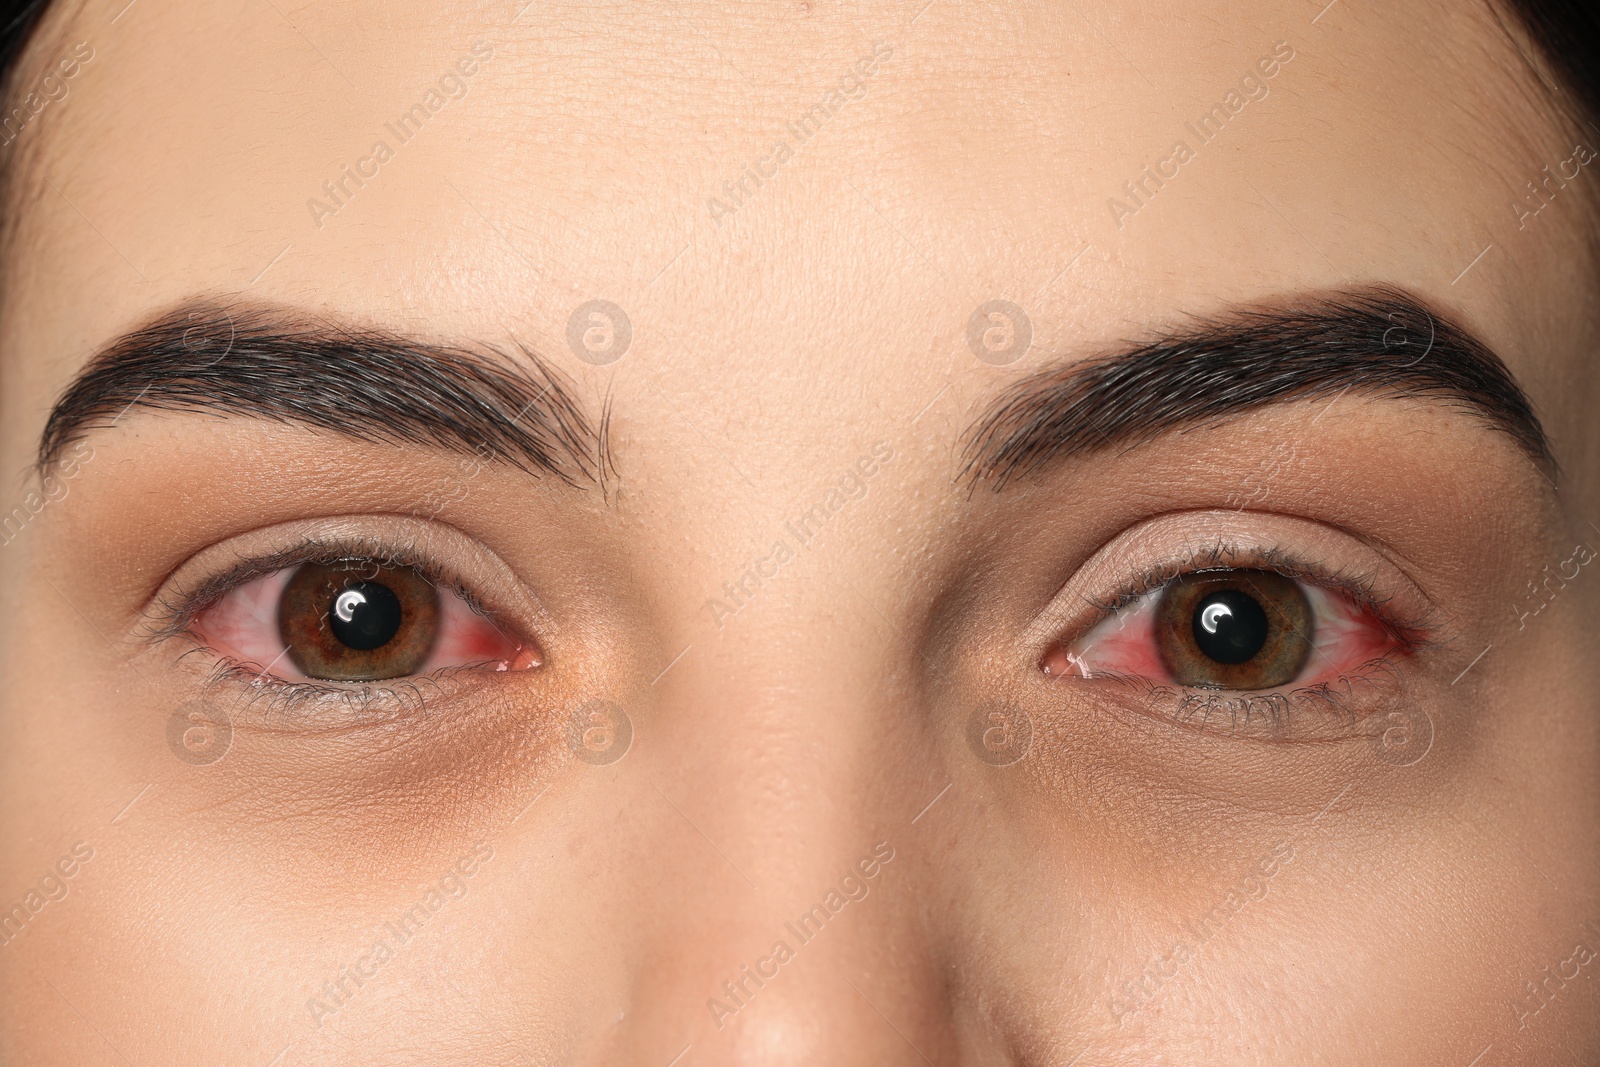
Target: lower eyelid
(1338,709)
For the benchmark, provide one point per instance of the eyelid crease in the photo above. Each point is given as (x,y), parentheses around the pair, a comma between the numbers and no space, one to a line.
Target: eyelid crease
(179,608)
(1113,575)
(426,545)
(1360,589)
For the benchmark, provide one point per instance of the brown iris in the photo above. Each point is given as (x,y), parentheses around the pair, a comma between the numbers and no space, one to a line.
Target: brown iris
(1237,629)
(358,621)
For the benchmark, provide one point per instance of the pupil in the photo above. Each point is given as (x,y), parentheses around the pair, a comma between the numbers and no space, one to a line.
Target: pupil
(1229,626)
(365,615)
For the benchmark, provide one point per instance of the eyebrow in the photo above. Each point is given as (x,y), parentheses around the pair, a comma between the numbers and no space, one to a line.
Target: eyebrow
(282,364)
(1376,342)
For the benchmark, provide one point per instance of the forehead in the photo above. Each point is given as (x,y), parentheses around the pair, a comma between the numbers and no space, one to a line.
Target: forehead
(772,191)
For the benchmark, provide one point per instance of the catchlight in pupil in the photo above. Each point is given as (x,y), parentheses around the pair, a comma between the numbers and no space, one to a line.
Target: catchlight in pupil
(1234,629)
(1243,629)
(358,621)
(1230,627)
(365,615)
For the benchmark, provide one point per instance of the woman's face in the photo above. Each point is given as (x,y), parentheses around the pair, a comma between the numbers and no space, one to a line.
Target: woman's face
(998,535)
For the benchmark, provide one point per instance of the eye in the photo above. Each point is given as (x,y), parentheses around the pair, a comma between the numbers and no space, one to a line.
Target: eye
(354,620)
(1236,629)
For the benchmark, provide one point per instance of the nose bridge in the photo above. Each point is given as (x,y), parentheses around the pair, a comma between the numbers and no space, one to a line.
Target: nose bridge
(787,927)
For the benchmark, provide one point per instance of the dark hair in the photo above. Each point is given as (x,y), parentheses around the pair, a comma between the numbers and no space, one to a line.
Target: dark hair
(1568,33)
(17,20)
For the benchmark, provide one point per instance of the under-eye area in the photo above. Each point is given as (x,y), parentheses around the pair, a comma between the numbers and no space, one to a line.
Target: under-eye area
(513,515)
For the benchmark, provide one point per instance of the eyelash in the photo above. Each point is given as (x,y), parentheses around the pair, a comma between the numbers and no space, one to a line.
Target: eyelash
(276,700)
(407,698)
(1223,555)
(1181,704)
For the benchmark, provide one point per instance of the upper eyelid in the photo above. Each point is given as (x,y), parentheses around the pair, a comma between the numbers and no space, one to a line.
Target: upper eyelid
(194,601)
(1415,631)
(1359,588)
(1299,547)
(453,558)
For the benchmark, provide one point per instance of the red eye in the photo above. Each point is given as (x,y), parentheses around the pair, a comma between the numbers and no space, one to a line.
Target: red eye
(354,621)
(1235,629)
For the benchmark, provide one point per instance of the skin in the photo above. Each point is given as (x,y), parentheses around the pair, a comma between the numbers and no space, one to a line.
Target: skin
(774,751)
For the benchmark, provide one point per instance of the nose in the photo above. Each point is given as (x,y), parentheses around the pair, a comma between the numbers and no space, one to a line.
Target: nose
(785,912)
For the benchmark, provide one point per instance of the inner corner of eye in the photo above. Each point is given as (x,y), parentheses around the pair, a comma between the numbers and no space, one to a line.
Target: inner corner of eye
(1062,661)
(1121,643)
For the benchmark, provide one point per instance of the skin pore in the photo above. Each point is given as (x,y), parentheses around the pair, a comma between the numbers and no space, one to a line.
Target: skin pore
(777,613)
